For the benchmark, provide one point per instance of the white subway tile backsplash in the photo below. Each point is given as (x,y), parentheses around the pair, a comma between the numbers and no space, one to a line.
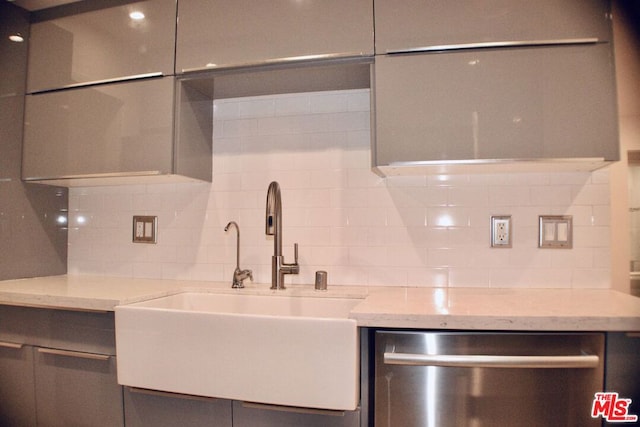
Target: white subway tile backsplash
(332,102)
(468,196)
(290,105)
(430,231)
(511,195)
(595,194)
(256,107)
(469,277)
(427,277)
(558,195)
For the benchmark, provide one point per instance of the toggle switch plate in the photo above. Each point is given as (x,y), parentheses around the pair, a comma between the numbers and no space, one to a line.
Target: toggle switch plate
(555,231)
(145,229)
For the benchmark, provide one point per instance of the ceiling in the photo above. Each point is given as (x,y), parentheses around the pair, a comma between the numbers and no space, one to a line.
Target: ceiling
(32,5)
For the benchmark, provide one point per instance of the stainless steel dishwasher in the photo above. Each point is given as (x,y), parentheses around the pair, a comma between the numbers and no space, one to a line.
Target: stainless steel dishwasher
(441,379)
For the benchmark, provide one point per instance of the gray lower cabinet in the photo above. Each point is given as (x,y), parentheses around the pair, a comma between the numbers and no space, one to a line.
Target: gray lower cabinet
(77,389)
(622,370)
(256,415)
(219,33)
(58,368)
(425,24)
(149,408)
(17,382)
(530,104)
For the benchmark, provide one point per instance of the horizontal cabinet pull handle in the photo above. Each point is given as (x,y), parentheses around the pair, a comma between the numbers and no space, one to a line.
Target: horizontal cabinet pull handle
(102,82)
(418,163)
(498,44)
(482,361)
(14,345)
(95,175)
(160,393)
(76,354)
(279,61)
(293,409)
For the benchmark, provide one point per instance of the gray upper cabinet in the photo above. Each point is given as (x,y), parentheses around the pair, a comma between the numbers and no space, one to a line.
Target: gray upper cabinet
(118,133)
(551,103)
(95,130)
(220,33)
(509,84)
(104,44)
(432,24)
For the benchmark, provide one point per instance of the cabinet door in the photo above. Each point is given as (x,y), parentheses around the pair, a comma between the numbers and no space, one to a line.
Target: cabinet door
(535,103)
(221,33)
(105,129)
(623,369)
(77,389)
(256,415)
(148,408)
(102,44)
(417,24)
(17,398)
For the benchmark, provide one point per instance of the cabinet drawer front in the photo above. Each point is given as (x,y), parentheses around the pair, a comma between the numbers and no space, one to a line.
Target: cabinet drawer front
(105,129)
(415,24)
(220,33)
(534,103)
(78,331)
(77,390)
(258,415)
(149,408)
(17,401)
(102,44)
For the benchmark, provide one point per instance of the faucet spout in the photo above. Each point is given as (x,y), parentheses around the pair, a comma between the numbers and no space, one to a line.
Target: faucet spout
(273,227)
(273,218)
(238,275)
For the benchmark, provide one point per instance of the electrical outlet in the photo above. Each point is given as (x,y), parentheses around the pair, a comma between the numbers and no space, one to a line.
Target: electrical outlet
(501,231)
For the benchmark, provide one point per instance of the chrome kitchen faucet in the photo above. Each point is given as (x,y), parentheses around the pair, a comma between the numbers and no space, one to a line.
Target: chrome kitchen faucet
(273,227)
(238,275)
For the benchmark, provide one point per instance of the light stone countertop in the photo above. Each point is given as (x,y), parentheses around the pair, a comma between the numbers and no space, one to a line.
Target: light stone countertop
(428,308)
(501,309)
(98,293)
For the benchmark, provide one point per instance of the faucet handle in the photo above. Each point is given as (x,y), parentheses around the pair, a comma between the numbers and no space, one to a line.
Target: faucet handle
(295,253)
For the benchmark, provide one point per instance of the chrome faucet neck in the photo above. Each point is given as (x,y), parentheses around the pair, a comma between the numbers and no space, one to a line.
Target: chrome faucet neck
(273,219)
(273,227)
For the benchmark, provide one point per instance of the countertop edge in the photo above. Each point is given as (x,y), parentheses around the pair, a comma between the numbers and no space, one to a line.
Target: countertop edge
(500,323)
(381,307)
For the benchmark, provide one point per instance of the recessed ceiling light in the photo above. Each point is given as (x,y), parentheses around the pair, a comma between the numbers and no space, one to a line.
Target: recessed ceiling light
(136,15)
(16,38)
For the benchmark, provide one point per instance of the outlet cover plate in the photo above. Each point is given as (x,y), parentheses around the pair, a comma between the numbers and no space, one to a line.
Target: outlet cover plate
(501,231)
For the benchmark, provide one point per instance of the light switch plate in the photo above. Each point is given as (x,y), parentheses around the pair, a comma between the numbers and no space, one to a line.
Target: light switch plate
(145,229)
(555,231)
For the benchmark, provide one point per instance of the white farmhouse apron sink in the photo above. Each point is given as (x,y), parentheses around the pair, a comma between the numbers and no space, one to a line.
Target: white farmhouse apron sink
(282,350)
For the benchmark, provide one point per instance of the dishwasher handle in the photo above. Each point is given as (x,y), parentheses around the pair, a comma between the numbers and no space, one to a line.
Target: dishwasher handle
(491,361)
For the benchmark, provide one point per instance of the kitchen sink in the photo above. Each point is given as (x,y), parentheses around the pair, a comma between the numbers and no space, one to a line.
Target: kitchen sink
(283,350)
